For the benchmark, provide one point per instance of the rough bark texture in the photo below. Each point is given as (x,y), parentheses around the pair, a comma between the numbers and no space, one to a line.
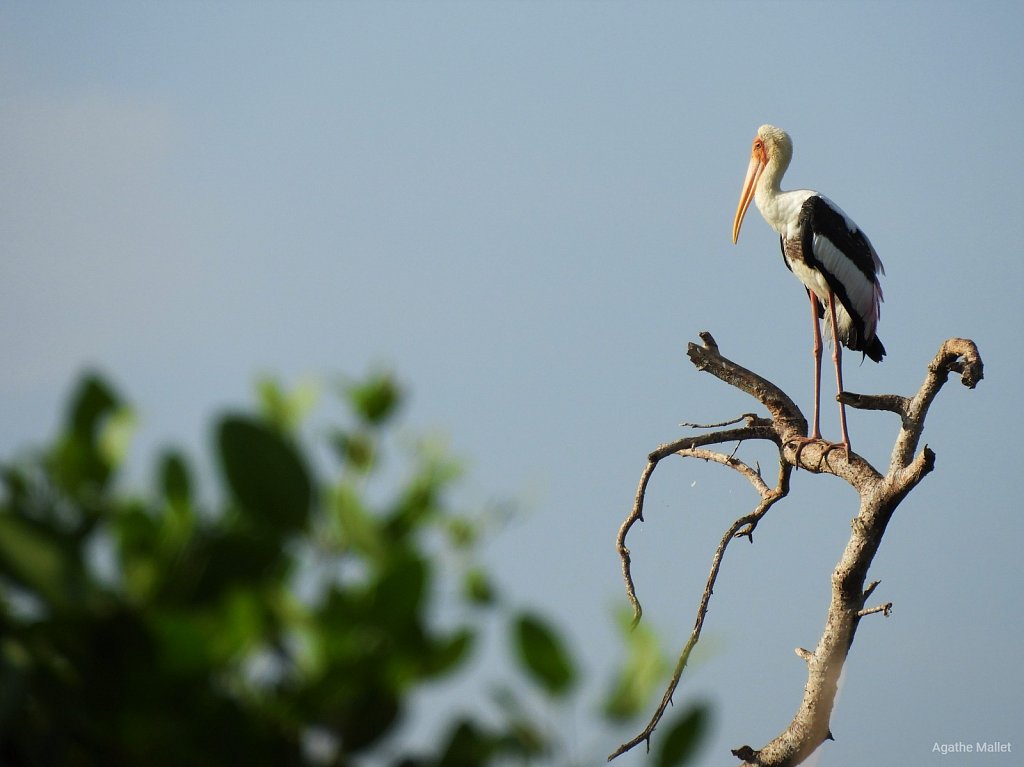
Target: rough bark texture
(879,495)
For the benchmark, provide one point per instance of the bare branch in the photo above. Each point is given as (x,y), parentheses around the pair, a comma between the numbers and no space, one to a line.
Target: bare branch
(731,462)
(748,417)
(891,402)
(879,498)
(708,339)
(956,355)
(759,428)
(636,515)
(785,415)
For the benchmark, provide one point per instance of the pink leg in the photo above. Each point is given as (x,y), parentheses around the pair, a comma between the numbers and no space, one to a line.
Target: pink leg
(815,432)
(837,359)
(802,442)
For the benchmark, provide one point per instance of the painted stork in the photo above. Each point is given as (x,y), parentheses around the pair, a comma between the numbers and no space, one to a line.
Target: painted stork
(827,252)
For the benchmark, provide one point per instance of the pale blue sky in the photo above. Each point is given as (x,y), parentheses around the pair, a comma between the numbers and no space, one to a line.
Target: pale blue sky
(525,208)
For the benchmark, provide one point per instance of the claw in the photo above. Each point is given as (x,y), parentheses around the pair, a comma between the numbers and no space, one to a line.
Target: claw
(827,447)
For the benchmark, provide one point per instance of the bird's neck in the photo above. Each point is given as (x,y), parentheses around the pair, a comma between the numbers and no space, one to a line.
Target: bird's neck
(769,197)
(770,183)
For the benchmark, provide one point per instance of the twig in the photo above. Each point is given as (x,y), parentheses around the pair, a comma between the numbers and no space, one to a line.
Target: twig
(728,460)
(748,417)
(885,609)
(869,590)
(636,515)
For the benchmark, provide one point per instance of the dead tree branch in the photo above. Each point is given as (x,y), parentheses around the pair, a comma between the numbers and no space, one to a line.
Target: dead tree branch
(879,497)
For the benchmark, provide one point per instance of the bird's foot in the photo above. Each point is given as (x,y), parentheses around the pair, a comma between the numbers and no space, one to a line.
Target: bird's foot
(826,446)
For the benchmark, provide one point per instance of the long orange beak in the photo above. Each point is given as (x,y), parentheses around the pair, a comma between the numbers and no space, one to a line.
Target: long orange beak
(754,171)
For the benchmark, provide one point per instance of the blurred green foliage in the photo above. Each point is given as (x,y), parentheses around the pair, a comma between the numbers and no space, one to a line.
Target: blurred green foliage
(288,624)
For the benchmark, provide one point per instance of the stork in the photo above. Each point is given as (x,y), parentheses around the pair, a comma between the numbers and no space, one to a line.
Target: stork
(827,252)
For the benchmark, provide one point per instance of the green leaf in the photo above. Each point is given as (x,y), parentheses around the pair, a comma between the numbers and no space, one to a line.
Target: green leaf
(265,474)
(140,537)
(87,451)
(243,614)
(364,715)
(376,399)
(641,674)
(183,642)
(116,435)
(93,400)
(357,526)
(449,653)
(400,594)
(526,736)
(174,480)
(357,449)
(15,680)
(43,561)
(542,654)
(684,736)
(469,746)
(463,533)
(286,410)
(478,588)
(219,559)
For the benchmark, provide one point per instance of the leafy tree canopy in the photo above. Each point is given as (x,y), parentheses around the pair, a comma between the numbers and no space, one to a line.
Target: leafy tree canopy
(288,624)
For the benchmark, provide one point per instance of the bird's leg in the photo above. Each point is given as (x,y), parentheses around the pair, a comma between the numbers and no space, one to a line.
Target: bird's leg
(815,432)
(802,442)
(837,359)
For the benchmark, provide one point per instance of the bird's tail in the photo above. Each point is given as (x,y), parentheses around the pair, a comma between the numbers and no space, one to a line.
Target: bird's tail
(874,349)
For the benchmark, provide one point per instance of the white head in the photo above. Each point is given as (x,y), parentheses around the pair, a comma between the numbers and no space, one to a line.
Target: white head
(769,157)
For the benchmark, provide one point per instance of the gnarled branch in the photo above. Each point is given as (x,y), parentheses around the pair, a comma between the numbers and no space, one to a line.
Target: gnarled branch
(879,497)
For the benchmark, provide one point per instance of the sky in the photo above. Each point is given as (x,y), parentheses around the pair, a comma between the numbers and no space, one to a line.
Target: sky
(524,209)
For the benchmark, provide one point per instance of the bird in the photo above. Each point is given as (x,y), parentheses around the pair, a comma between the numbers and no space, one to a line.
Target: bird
(828,253)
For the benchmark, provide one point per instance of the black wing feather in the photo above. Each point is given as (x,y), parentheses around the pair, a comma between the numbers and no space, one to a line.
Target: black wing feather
(818,217)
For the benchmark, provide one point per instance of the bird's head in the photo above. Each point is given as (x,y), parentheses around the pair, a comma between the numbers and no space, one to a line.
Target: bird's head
(772,148)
